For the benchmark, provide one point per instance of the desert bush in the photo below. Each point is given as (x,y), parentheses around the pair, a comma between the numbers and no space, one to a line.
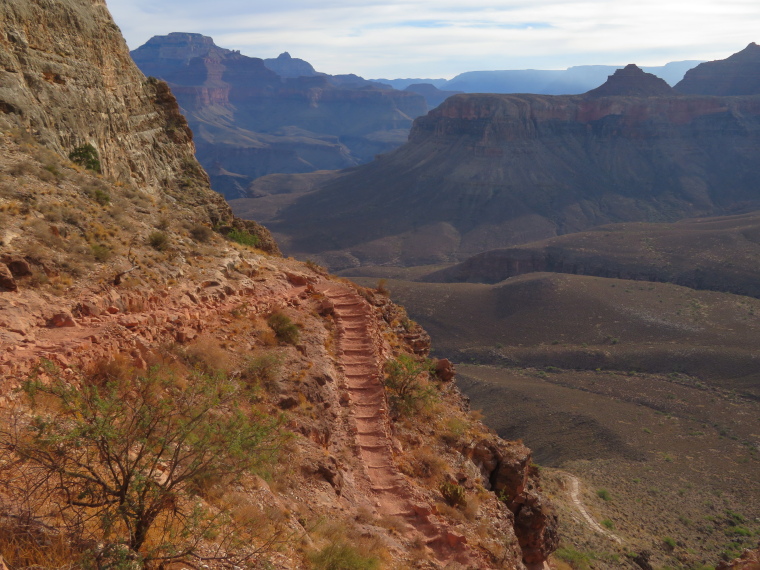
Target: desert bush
(406,384)
(244,238)
(604,494)
(343,557)
(262,370)
(201,233)
(158,241)
(86,156)
(285,329)
(575,558)
(100,252)
(453,493)
(116,456)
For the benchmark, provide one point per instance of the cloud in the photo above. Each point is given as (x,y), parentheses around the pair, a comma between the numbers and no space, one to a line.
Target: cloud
(426,38)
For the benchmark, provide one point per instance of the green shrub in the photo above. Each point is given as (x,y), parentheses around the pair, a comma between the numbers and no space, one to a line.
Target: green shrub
(100,252)
(123,449)
(575,558)
(285,329)
(607,523)
(604,494)
(343,557)
(453,493)
(86,156)
(243,238)
(669,542)
(405,381)
(158,241)
(262,370)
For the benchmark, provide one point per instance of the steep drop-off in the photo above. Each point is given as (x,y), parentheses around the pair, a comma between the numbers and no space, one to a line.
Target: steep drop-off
(249,121)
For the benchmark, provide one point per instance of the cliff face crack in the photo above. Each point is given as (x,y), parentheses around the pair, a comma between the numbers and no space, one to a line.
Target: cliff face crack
(362,368)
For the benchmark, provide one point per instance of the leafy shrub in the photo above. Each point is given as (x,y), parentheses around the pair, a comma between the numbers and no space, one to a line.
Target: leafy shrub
(405,380)
(285,329)
(453,493)
(86,156)
(669,542)
(608,524)
(158,241)
(117,455)
(243,238)
(343,557)
(604,495)
(575,558)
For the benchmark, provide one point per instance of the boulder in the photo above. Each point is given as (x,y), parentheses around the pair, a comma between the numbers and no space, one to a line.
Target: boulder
(7,282)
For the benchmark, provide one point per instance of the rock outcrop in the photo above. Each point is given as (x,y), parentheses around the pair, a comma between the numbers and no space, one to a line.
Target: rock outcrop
(631,81)
(738,74)
(251,121)
(67,78)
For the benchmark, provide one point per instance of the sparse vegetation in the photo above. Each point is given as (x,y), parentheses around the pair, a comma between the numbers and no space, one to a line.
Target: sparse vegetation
(244,238)
(158,241)
(118,456)
(407,384)
(343,556)
(604,494)
(453,493)
(285,329)
(86,155)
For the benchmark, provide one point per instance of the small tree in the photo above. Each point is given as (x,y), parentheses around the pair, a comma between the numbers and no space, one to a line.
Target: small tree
(120,456)
(87,156)
(406,382)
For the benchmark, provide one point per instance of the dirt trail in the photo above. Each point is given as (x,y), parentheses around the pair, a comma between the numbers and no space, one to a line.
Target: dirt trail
(575,497)
(362,368)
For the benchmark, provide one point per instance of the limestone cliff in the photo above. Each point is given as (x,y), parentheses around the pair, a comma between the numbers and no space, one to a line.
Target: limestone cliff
(486,171)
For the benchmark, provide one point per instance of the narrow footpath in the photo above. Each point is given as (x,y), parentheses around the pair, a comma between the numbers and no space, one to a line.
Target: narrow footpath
(363,371)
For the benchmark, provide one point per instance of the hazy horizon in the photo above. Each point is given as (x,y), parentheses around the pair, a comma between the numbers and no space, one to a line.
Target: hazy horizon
(426,39)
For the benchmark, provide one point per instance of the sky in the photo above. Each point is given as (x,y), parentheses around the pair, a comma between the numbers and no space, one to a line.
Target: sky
(441,38)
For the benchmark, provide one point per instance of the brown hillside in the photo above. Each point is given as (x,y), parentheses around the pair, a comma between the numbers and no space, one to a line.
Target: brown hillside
(719,253)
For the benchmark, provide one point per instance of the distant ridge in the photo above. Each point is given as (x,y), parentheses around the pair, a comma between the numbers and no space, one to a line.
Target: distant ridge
(738,74)
(632,81)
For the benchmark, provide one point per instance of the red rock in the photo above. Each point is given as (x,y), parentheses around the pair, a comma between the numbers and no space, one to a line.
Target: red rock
(7,281)
(444,369)
(18,265)
(63,319)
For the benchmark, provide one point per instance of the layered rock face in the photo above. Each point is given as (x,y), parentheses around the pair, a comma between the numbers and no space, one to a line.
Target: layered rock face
(486,171)
(735,75)
(67,78)
(249,121)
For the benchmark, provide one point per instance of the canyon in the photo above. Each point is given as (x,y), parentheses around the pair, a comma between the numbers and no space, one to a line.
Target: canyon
(250,121)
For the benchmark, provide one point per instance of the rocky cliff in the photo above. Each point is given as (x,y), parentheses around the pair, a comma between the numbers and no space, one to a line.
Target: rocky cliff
(67,79)
(482,170)
(250,121)
(738,74)
(124,300)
